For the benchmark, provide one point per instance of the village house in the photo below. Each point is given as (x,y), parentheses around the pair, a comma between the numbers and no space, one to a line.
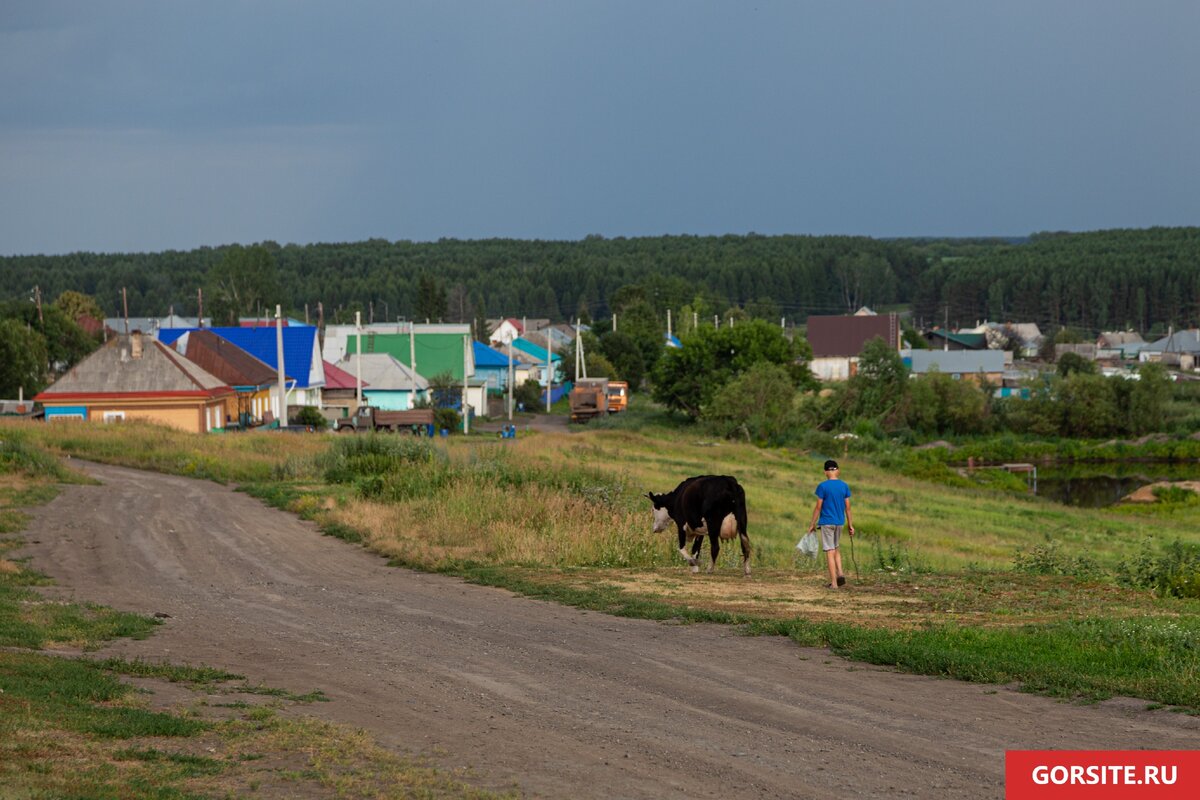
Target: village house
(976,366)
(431,350)
(339,395)
(302,364)
(388,384)
(491,368)
(1119,346)
(252,380)
(538,354)
(838,341)
(137,378)
(1179,349)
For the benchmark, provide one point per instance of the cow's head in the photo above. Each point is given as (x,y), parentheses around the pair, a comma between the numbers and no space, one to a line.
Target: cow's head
(662,510)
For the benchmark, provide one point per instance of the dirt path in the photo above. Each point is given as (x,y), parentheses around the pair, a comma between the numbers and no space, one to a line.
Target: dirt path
(558,702)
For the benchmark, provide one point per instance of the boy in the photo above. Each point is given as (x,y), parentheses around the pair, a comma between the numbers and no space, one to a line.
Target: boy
(832,512)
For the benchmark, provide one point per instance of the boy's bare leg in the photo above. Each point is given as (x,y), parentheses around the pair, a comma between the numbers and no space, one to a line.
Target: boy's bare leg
(834,560)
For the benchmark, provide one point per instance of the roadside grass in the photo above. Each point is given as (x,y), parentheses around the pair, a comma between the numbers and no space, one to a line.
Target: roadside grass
(956,580)
(77,727)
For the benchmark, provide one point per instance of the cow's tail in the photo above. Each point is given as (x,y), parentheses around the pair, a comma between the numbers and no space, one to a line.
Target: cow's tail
(739,508)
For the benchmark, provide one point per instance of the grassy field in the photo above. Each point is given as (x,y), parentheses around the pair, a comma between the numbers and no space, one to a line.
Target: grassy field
(960,581)
(74,726)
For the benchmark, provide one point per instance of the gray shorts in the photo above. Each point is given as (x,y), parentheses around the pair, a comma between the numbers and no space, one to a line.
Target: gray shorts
(831,537)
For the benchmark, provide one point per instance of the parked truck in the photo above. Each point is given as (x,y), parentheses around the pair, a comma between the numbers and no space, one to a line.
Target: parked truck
(371,418)
(618,396)
(589,399)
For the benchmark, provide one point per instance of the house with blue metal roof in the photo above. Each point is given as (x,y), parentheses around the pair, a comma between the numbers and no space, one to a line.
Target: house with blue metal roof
(491,367)
(301,355)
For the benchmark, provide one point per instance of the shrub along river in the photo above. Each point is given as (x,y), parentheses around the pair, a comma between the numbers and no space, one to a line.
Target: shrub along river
(1096,485)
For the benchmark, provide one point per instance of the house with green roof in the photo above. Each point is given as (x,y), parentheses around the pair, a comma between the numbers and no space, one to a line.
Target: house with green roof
(437,349)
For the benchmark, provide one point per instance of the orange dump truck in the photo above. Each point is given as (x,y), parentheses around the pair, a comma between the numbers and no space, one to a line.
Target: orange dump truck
(618,396)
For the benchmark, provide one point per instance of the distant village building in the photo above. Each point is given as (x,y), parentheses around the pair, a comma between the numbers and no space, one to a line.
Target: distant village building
(1119,345)
(253,380)
(389,384)
(976,366)
(137,378)
(838,341)
(1177,349)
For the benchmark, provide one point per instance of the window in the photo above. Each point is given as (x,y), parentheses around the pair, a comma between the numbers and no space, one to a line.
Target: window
(114,416)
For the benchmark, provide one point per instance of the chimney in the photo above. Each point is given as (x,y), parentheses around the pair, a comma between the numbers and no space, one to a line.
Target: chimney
(135,344)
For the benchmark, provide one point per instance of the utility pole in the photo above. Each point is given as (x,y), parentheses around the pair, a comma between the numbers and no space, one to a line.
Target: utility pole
(578,345)
(358,362)
(412,349)
(282,374)
(716,322)
(668,323)
(614,322)
(695,320)
(199,308)
(125,307)
(510,380)
(549,367)
(466,409)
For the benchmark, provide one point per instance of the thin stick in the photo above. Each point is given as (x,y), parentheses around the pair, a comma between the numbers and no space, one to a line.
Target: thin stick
(852,558)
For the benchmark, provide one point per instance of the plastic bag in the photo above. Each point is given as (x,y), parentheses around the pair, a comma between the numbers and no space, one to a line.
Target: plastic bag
(808,544)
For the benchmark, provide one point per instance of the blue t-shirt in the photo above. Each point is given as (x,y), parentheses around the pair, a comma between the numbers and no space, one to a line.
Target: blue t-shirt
(833,494)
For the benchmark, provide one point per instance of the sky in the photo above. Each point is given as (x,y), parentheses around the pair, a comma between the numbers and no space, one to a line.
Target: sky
(130,126)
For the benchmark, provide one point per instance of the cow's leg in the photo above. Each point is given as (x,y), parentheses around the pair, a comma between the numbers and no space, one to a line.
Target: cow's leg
(683,543)
(745,537)
(696,543)
(714,544)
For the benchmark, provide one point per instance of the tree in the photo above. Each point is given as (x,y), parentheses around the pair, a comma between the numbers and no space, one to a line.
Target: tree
(757,404)
(23,359)
(878,390)
(431,299)
(686,379)
(625,355)
(64,342)
(1071,363)
(77,304)
(1148,398)
(244,283)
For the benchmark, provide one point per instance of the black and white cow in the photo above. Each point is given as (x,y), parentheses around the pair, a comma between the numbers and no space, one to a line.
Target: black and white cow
(706,505)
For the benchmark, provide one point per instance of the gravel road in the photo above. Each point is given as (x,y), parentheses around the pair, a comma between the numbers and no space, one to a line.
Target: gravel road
(557,702)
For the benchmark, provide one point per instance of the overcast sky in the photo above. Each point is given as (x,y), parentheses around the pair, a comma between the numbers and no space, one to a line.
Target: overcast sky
(141,126)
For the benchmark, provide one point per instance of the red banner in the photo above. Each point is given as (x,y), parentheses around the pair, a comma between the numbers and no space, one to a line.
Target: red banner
(1101,774)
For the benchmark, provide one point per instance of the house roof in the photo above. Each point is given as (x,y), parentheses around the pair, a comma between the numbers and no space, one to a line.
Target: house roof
(153,324)
(847,335)
(1118,338)
(301,360)
(437,353)
(1177,342)
(489,358)
(385,373)
(338,378)
(953,361)
(112,371)
(971,341)
(538,353)
(227,361)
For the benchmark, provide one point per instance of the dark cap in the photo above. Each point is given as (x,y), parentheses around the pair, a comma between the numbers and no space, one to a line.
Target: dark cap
(830,464)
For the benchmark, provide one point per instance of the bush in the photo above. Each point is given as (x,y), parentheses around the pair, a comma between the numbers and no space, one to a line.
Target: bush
(312,417)
(1173,572)
(378,455)
(1048,559)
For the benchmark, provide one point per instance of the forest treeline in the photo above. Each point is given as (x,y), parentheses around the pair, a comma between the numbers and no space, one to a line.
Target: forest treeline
(1145,279)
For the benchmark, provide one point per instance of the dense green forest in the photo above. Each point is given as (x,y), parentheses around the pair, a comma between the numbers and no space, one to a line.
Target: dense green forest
(1145,279)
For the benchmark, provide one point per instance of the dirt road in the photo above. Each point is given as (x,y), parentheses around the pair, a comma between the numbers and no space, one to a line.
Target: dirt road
(558,702)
